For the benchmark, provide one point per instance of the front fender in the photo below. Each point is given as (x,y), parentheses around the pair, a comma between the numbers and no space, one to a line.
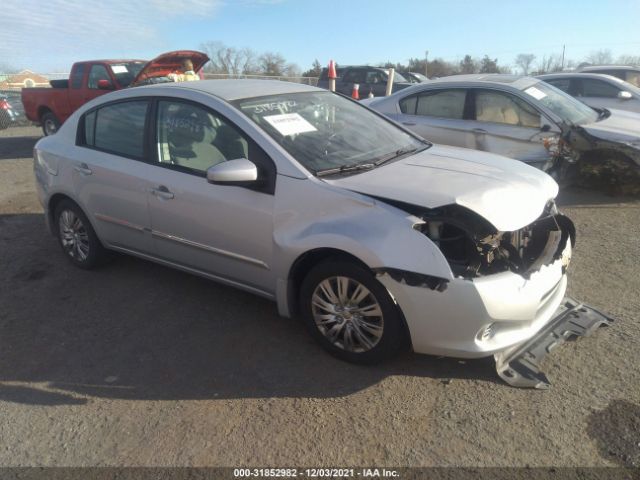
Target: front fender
(379,235)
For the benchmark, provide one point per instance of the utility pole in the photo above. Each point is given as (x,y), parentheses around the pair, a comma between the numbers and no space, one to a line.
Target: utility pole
(563,57)
(426,63)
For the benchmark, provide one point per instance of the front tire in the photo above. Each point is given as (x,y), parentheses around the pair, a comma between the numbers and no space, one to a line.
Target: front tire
(350,313)
(76,236)
(50,124)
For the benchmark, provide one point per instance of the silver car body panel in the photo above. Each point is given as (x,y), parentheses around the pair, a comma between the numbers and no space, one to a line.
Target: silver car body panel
(251,240)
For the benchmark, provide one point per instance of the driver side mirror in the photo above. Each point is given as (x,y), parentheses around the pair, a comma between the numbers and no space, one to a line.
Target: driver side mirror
(104,85)
(624,95)
(233,172)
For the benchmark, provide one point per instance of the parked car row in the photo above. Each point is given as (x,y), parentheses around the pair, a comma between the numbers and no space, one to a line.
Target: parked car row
(376,238)
(526,119)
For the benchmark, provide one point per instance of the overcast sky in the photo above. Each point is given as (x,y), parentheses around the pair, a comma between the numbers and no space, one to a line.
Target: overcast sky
(48,35)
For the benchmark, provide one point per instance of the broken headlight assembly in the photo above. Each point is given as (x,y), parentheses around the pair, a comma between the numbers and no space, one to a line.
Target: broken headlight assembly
(474,248)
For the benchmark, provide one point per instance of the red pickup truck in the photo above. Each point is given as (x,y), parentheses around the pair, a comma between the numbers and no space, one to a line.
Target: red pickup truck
(50,107)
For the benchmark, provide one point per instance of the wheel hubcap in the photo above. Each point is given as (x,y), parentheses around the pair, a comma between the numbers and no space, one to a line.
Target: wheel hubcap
(347,314)
(50,127)
(73,235)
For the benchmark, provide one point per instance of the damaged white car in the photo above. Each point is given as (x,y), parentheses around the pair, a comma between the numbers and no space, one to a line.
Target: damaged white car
(378,239)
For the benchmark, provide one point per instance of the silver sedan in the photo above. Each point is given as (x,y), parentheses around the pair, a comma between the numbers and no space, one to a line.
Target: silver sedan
(522,118)
(596,90)
(376,238)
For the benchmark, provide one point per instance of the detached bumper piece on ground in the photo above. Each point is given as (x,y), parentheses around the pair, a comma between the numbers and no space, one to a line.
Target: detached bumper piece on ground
(520,365)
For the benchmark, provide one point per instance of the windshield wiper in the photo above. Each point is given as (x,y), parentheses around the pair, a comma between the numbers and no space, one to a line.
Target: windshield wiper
(345,169)
(398,153)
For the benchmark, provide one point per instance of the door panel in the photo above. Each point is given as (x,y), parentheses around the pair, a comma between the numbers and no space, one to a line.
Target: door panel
(113,191)
(507,125)
(222,230)
(112,186)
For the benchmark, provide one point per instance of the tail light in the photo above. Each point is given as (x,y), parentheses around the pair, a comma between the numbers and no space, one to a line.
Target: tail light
(4,104)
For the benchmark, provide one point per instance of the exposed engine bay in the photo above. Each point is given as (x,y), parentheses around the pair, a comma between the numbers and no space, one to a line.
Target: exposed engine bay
(474,248)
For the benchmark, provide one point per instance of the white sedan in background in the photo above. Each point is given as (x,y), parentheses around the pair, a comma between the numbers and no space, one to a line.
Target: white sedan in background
(376,238)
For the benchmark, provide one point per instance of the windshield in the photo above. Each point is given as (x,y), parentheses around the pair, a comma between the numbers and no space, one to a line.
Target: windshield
(324,131)
(397,77)
(563,105)
(125,72)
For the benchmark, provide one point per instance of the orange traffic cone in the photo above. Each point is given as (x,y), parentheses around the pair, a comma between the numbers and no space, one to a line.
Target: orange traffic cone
(355,93)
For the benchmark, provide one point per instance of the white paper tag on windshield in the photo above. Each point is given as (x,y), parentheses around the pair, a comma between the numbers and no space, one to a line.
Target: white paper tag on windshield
(290,124)
(119,69)
(535,93)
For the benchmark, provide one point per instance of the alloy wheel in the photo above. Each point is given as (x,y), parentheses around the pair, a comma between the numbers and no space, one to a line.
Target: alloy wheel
(73,235)
(347,314)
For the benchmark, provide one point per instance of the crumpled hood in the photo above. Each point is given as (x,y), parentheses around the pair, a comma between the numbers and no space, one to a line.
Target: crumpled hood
(619,127)
(506,192)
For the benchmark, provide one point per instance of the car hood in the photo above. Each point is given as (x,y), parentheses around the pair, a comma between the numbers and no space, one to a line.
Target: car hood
(619,126)
(169,62)
(506,192)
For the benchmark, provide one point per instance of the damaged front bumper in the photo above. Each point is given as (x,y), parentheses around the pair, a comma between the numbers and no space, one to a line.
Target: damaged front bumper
(520,365)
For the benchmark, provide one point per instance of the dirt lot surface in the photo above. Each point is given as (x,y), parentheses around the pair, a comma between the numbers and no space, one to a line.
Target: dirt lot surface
(137,364)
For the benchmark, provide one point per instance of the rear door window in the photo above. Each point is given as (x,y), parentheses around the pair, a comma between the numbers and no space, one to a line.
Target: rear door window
(443,103)
(354,76)
(117,128)
(598,88)
(75,80)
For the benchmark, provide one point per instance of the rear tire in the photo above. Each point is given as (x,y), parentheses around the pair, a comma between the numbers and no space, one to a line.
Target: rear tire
(77,237)
(50,124)
(350,313)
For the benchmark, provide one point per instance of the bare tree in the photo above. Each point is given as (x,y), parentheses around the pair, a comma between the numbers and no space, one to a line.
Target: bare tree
(551,63)
(629,60)
(600,57)
(272,64)
(7,68)
(524,61)
(229,60)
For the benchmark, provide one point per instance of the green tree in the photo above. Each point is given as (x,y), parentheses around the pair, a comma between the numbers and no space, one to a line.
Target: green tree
(489,66)
(468,65)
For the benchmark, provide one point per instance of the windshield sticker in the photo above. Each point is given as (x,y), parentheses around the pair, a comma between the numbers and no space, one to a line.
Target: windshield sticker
(535,93)
(290,124)
(270,107)
(119,69)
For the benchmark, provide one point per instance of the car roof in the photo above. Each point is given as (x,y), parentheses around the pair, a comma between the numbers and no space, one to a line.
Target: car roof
(517,81)
(609,67)
(237,89)
(595,76)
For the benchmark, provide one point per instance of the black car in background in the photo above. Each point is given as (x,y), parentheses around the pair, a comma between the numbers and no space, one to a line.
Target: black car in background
(371,80)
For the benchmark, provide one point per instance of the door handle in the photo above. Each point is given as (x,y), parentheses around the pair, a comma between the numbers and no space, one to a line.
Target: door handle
(83,168)
(162,192)
(408,124)
(479,130)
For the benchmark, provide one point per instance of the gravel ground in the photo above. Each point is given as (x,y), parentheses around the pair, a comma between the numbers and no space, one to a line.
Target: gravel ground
(137,364)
